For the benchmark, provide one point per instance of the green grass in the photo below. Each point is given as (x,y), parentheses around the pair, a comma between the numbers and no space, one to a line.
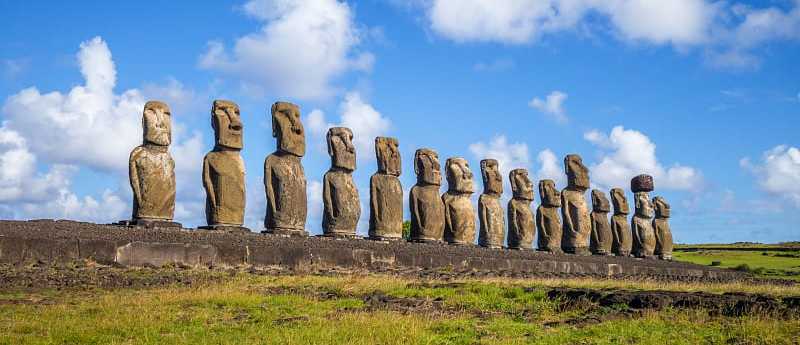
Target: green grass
(248,309)
(783,264)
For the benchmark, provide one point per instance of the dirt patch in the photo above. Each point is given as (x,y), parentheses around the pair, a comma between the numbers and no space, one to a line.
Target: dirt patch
(378,300)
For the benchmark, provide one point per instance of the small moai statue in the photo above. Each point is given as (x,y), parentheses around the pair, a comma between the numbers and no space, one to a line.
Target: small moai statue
(661,227)
(459,215)
(284,178)
(427,209)
(644,237)
(223,170)
(548,222)
(521,226)
(620,228)
(152,171)
(574,213)
(601,238)
(490,212)
(386,193)
(340,196)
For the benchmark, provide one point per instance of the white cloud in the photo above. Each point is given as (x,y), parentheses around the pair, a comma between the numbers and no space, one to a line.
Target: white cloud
(550,167)
(302,47)
(316,122)
(626,153)
(778,172)
(509,156)
(315,206)
(552,105)
(361,117)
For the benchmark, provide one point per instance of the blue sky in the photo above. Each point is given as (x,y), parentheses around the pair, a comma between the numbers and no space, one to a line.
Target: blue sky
(704,95)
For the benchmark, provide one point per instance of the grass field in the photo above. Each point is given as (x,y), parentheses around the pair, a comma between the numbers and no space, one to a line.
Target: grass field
(755,258)
(252,309)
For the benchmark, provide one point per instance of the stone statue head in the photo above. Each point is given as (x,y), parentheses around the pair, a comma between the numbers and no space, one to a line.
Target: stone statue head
(341,149)
(427,168)
(287,128)
(662,207)
(156,124)
(599,201)
(227,124)
(550,196)
(577,173)
(643,206)
(388,154)
(459,176)
(521,185)
(619,201)
(492,181)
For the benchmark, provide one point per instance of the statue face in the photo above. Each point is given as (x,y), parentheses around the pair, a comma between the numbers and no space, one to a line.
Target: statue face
(643,206)
(577,173)
(459,177)
(521,185)
(157,124)
(550,196)
(388,154)
(427,168)
(341,149)
(287,128)
(662,207)
(619,201)
(492,181)
(227,124)
(599,201)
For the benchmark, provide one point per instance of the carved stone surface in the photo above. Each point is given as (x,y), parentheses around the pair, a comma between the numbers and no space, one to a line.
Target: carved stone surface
(548,222)
(662,231)
(521,224)
(642,183)
(340,196)
(620,228)
(386,192)
(601,238)
(427,208)
(490,212)
(284,178)
(459,215)
(223,168)
(644,238)
(577,224)
(151,168)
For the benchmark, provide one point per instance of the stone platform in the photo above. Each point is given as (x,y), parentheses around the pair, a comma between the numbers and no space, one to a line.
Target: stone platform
(47,241)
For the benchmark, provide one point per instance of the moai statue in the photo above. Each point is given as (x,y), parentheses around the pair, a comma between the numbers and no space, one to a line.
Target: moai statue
(340,196)
(223,170)
(427,209)
(574,212)
(386,193)
(152,171)
(661,227)
(284,178)
(601,239)
(620,228)
(548,223)
(459,215)
(492,220)
(521,225)
(644,238)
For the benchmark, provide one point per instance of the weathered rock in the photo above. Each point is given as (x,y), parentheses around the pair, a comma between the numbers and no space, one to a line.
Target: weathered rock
(386,192)
(223,168)
(340,196)
(521,226)
(644,238)
(601,239)
(427,208)
(151,168)
(642,183)
(620,228)
(661,228)
(577,224)
(548,222)
(459,215)
(284,178)
(492,220)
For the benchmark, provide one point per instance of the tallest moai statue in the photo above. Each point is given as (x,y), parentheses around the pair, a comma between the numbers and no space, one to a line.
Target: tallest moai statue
(576,221)
(223,169)
(152,170)
(284,179)
(644,238)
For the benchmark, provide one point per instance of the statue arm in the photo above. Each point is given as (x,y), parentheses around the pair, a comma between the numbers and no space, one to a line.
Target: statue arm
(373,199)
(326,197)
(413,207)
(540,222)
(565,208)
(268,190)
(447,224)
(133,174)
(483,213)
(208,184)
